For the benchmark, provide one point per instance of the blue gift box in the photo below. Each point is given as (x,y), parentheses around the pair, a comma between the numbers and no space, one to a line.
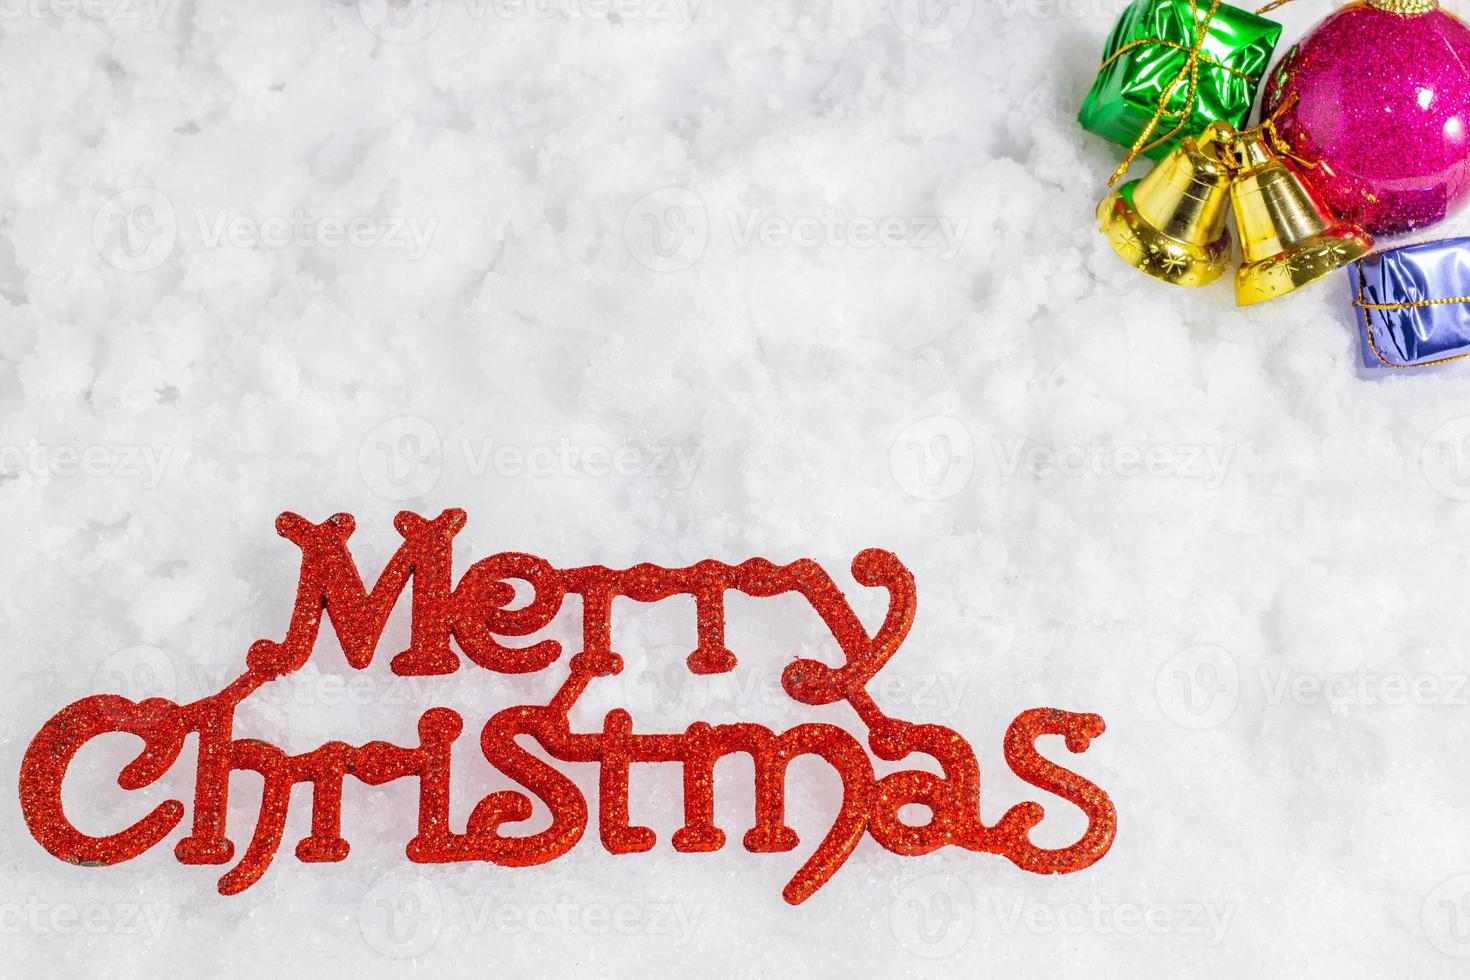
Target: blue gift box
(1413,303)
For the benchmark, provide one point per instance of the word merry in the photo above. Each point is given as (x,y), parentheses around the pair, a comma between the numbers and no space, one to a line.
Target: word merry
(479,613)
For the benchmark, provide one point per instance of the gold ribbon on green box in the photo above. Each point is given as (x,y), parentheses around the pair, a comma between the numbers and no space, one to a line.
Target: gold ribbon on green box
(1172,67)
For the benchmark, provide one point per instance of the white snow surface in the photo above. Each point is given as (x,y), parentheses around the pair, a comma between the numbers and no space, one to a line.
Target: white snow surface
(659,280)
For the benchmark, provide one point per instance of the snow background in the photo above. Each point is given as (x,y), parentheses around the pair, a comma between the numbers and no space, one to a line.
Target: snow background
(1227,540)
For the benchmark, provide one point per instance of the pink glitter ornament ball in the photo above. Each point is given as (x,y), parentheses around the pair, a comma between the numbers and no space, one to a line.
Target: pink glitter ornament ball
(1383,107)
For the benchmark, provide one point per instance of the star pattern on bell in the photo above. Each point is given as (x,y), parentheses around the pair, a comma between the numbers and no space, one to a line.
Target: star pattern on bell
(1175,264)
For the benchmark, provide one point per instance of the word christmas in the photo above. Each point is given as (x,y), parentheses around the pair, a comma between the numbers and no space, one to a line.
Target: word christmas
(481,611)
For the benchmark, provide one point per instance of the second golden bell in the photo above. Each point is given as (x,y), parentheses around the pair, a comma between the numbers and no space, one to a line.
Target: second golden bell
(1288,235)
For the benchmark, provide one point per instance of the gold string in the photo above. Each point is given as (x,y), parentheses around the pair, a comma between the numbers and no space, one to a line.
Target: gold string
(1414,305)
(1277,142)
(1188,71)
(1366,307)
(1160,42)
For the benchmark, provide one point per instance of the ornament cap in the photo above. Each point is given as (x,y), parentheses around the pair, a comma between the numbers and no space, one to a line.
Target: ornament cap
(1405,8)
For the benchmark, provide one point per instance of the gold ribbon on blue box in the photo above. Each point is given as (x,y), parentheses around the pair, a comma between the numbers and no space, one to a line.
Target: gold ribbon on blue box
(1153,89)
(1413,303)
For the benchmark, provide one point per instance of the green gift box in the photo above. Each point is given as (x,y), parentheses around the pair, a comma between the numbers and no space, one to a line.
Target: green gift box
(1148,49)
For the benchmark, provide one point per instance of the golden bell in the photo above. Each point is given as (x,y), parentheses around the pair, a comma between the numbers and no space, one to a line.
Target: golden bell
(1171,224)
(1288,235)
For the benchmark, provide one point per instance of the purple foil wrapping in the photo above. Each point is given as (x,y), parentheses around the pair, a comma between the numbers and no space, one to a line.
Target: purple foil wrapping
(1413,303)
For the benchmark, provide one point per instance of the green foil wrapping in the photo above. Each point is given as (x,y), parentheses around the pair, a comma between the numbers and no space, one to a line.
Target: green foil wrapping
(1237,51)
